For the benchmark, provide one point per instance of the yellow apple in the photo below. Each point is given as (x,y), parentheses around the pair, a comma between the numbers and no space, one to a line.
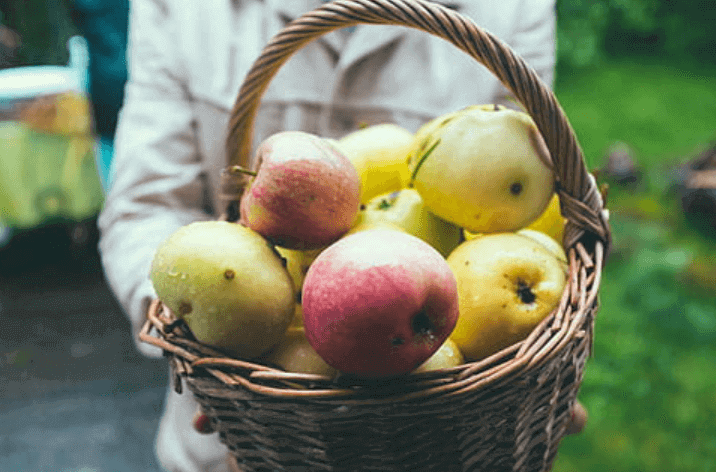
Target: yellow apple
(405,208)
(448,355)
(547,241)
(380,155)
(297,263)
(486,170)
(551,220)
(507,284)
(294,354)
(227,283)
(435,124)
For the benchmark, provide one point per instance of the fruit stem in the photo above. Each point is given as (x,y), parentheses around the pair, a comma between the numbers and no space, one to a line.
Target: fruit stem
(243,170)
(422,159)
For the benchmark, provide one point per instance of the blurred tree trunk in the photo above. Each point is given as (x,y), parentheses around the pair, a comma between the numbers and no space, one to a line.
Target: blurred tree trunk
(44,26)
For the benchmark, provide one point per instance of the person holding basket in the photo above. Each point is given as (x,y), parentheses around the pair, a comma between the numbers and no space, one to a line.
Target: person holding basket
(186,62)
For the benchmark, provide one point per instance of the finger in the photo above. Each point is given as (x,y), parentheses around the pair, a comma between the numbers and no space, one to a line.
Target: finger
(578,419)
(202,423)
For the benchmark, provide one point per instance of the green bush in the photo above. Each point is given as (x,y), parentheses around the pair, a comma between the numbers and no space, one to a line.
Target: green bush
(589,30)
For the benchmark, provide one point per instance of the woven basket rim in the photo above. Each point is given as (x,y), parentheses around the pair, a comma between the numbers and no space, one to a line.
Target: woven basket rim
(587,236)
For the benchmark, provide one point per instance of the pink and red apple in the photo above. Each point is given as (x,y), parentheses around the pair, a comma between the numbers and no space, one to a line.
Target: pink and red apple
(305,193)
(379,303)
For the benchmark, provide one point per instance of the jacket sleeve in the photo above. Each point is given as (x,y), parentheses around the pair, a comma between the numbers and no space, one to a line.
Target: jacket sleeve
(158,185)
(535,37)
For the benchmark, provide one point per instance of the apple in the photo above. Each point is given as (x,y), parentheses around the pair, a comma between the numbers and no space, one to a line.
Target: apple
(548,242)
(447,356)
(380,154)
(486,170)
(227,283)
(551,221)
(305,193)
(295,354)
(405,208)
(379,303)
(434,125)
(507,284)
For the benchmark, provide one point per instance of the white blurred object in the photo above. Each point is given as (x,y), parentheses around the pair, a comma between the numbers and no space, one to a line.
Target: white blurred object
(25,83)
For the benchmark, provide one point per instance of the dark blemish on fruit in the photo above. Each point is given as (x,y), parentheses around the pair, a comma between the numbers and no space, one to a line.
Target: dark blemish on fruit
(467,263)
(229,274)
(384,204)
(362,207)
(516,188)
(421,324)
(525,293)
(185,308)
(397,341)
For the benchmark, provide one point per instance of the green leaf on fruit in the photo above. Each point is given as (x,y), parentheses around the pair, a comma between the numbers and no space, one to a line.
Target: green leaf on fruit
(422,159)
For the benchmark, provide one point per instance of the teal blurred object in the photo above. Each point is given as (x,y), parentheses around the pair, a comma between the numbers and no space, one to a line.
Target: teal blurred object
(45,177)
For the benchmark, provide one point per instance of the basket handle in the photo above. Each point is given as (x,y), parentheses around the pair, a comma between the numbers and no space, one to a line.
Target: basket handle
(581,201)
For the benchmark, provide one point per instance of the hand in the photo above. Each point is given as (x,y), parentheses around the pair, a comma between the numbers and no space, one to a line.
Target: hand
(578,419)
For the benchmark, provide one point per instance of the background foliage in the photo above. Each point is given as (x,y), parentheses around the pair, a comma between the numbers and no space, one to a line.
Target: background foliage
(590,30)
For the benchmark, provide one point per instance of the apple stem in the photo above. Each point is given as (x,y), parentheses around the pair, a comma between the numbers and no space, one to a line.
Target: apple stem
(422,159)
(242,170)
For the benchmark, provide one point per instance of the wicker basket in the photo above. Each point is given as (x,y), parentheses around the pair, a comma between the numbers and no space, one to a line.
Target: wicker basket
(507,412)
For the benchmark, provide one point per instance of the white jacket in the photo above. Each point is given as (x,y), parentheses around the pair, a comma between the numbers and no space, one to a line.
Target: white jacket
(187,60)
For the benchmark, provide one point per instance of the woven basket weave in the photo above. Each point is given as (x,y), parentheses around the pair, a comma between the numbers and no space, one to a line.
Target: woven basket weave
(507,412)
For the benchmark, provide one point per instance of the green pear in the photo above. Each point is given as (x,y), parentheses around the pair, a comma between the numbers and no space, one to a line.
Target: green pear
(405,209)
(229,285)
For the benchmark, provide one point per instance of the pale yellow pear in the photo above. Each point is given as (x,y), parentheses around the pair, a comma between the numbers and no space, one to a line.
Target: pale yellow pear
(547,241)
(405,208)
(486,170)
(507,283)
(448,355)
(293,353)
(551,221)
(297,263)
(380,154)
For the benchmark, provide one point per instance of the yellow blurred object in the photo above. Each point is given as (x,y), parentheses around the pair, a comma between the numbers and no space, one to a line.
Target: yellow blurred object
(66,114)
(380,155)
(47,161)
(448,355)
(551,221)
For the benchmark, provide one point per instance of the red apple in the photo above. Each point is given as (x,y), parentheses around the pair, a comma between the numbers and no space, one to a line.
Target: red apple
(379,303)
(305,193)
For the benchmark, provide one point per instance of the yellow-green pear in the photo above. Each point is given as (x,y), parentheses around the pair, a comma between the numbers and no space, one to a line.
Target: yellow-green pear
(229,285)
(486,169)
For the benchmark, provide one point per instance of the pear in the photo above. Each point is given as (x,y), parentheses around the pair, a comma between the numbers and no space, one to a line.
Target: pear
(229,285)
(486,169)
(380,155)
(405,208)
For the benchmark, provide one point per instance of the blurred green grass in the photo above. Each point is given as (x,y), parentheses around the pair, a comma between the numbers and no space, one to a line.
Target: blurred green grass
(650,387)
